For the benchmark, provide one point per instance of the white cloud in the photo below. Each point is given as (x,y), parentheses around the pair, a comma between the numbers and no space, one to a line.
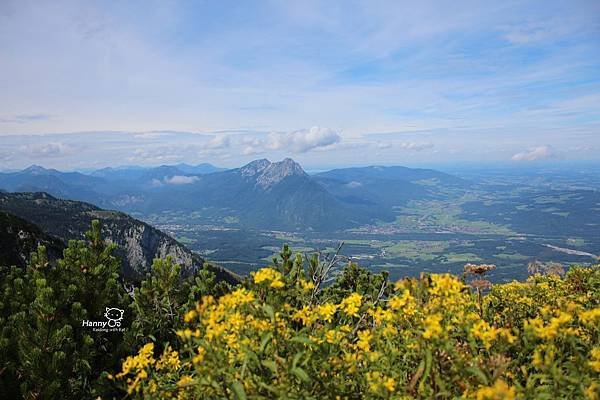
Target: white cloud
(353,184)
(218,142)
(47,150)
(159,154)
(156,183)
(538,153)
(180,180)
(415,146)
(251,150)
(383,145)
(303,140)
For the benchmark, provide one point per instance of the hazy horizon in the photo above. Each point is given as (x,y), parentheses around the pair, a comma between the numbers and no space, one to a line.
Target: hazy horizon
(448,166)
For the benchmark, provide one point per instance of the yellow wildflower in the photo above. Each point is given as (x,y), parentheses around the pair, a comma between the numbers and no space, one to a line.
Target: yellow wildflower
(351,304)
(590,317)
(445,285)
(364,337)
(432,326)
(332,336)
(169,360)
(198,358)
(236,298)
(552,329)
(390,331)
(190,316)
(377,381)
(270,275)
(390,384)
(499,391)
(306,315)
(592,392)
(488,334)
(326,311)
(306,285)
(185,380)
(143,359)
(405,302)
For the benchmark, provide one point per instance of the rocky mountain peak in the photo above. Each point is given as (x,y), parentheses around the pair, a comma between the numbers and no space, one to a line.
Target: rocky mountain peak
(254,167)
(276,172)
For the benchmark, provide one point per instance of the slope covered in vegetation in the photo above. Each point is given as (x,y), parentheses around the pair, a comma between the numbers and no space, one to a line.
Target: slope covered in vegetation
(299,329)
(284,335)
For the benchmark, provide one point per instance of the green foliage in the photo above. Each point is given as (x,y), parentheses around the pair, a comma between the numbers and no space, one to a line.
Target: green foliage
(46,352)
(159,303)
(280,336)
(49,354)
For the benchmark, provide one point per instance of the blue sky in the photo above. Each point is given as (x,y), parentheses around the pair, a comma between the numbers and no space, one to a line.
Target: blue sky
(85,84)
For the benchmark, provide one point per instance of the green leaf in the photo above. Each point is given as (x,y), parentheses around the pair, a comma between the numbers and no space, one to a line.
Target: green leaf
(302,339)
(269,310)
(269,388)
(428,362)
(271,365)
(479,374)
(238,390)
(266,338)
(296,359)
(301,374)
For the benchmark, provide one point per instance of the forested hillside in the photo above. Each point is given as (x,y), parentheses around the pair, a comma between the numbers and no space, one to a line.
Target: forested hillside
(138,243)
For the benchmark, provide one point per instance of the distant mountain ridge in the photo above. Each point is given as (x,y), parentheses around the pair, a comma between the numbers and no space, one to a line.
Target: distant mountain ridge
(387,187)
(138,242)
(261,194)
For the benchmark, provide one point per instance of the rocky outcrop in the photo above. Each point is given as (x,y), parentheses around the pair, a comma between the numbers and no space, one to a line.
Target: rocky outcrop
(276,172)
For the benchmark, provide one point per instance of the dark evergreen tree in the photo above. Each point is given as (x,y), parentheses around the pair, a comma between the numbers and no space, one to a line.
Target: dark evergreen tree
(48,351)
(162,299)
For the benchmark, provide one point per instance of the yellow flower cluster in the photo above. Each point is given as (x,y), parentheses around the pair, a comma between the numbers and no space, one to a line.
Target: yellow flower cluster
(404,302)
(488,334)
(136,366)
(379,383)
(351,304)
(433,329)
(269,275)
(169,360)
(498,391)
(552,329)
(426,338)
(326,311)
(590,317)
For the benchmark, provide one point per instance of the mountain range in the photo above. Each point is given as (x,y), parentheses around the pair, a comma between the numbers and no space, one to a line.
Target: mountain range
(262,194)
